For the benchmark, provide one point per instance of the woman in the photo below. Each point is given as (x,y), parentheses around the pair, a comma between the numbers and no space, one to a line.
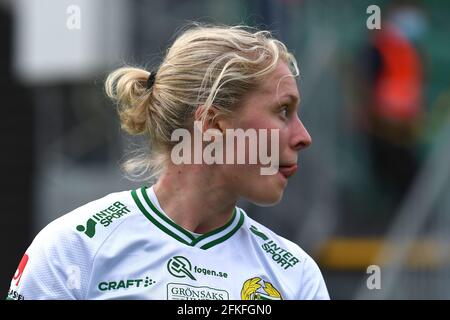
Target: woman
(184,237)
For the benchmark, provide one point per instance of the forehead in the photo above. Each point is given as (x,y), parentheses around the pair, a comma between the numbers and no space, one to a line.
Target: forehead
(280,83)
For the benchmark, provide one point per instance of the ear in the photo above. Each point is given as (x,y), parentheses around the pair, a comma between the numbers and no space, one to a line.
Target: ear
(213,119)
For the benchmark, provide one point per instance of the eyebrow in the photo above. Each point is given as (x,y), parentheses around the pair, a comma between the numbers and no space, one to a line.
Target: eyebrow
(293,98)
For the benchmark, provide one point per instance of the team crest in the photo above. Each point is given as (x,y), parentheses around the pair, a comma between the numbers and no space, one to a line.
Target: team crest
(258,289)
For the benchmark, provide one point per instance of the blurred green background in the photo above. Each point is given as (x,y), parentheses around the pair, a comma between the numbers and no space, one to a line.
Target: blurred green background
(373,189)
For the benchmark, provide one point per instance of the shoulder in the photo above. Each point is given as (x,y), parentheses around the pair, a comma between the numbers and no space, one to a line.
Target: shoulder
(97,219)
(93,220)
(64,250)
(290,260)
(86,228)
(269,239)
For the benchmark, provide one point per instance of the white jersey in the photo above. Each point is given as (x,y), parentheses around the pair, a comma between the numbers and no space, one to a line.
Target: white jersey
(124,246)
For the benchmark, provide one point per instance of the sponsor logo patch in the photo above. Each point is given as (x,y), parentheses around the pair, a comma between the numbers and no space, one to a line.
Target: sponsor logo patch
(281,256)
(125,284)
(258,289)
(181,267)
(180,291)
(104,217)
(20,268)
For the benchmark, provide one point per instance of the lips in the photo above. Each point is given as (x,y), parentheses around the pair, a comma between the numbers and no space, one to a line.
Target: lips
(288,171)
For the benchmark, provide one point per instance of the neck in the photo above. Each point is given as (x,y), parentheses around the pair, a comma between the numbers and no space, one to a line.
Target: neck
(195,197)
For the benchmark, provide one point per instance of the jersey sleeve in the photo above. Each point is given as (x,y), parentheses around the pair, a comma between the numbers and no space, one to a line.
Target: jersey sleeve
(313,286)
(55,266)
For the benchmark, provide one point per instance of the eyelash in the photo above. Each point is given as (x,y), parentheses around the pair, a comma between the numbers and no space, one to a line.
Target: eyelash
(285,108)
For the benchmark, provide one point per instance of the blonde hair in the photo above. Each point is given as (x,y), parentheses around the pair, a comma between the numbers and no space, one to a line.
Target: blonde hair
(205,66)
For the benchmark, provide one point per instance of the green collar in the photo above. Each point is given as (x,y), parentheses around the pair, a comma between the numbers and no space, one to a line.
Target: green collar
(204,241)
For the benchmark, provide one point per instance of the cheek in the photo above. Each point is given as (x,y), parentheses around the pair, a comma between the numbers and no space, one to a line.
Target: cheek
(247,179)
(257,121)
(276,135)
(248,182)
(283,139)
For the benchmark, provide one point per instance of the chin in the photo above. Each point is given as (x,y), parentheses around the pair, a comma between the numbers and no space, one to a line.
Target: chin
(264,191)
(266,198)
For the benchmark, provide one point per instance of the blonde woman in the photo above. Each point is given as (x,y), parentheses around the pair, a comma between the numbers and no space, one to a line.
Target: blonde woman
(183,236)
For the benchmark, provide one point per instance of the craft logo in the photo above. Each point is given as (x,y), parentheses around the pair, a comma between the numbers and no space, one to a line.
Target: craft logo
(258,289)
(125,284)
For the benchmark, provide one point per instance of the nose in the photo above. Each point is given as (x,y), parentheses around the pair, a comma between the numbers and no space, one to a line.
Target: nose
(301,138)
